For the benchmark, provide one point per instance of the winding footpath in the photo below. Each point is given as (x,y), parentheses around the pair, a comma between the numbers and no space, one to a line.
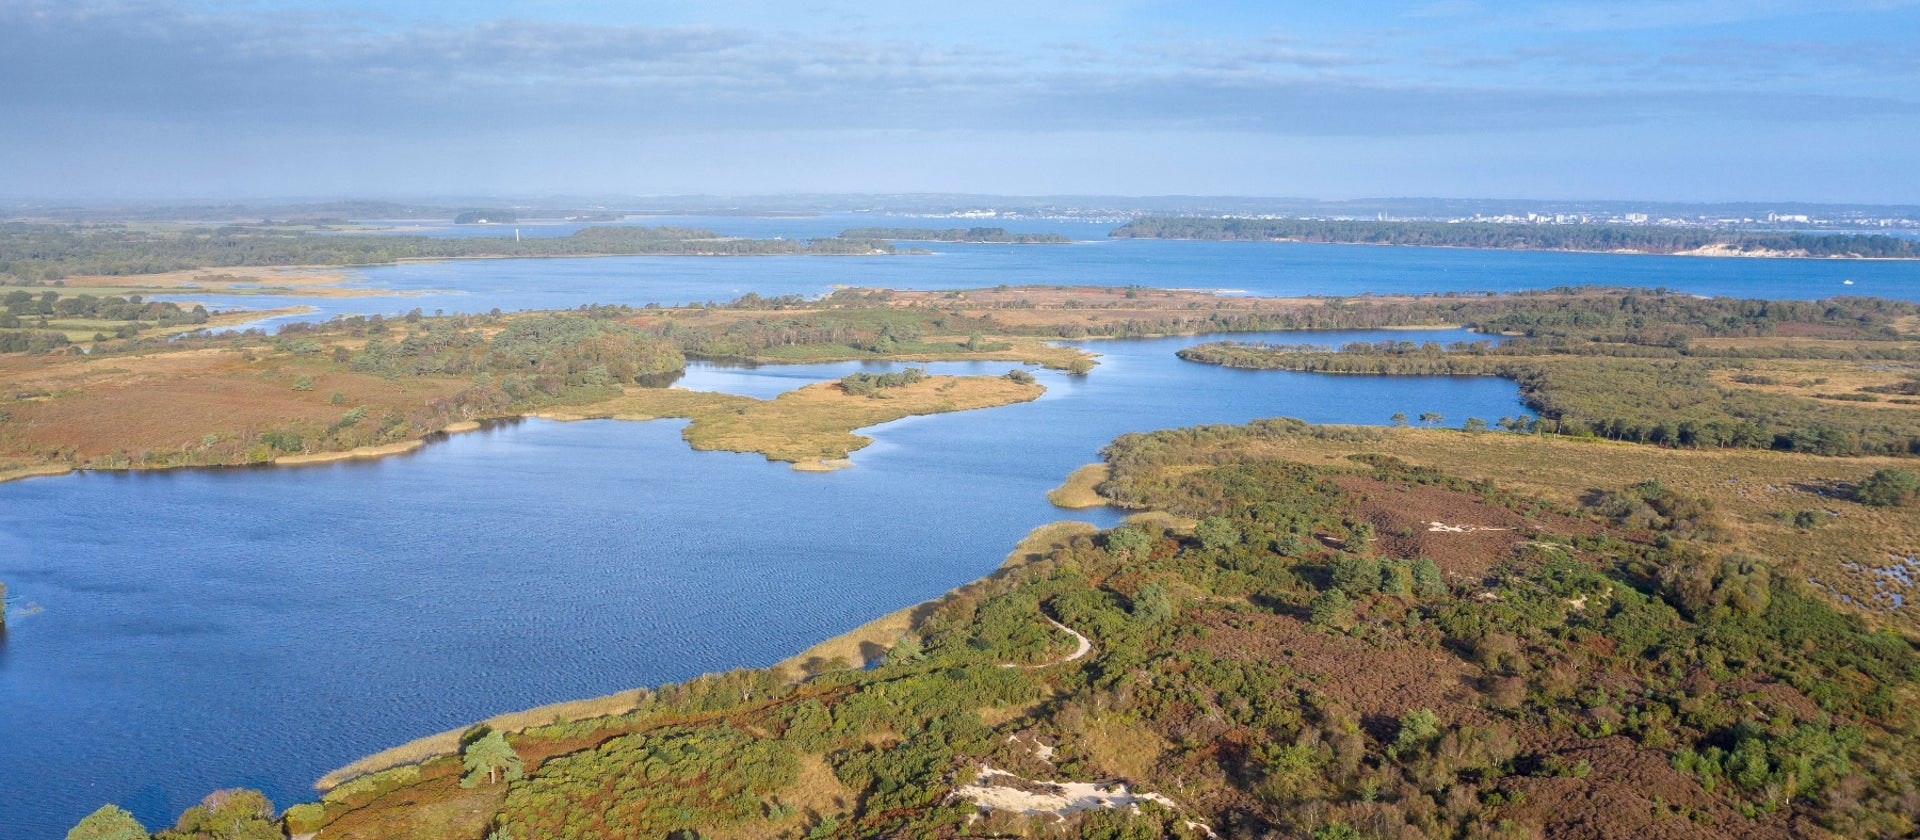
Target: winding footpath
(1085,647)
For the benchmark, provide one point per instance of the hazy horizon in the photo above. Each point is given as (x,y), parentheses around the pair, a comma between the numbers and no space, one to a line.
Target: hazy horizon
(1698,101)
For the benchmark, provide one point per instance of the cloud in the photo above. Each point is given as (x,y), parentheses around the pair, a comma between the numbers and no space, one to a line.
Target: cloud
(173,64)
(219,87)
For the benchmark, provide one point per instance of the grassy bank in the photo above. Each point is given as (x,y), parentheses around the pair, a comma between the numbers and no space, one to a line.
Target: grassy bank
(1079,491)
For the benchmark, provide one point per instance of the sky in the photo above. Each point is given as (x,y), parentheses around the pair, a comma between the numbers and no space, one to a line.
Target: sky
(1693,100)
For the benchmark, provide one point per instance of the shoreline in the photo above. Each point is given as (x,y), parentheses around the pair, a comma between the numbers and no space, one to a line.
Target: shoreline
(1709,251)
(868,642)
(610,409)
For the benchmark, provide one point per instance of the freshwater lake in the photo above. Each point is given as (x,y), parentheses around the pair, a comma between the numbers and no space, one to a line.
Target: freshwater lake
(200,629)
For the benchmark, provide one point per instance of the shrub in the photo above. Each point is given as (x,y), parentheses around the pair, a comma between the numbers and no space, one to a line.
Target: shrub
(1887,488)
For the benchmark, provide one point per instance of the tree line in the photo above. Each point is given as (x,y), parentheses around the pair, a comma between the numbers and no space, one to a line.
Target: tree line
(970,234)
(36,253)
(1601,238)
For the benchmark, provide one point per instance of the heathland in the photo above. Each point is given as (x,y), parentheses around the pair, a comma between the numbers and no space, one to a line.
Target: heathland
(1675,606)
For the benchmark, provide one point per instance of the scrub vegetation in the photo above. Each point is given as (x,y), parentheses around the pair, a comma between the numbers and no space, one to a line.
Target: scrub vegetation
(1355,639)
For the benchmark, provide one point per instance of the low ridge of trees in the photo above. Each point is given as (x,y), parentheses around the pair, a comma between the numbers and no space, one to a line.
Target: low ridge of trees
(1602,238)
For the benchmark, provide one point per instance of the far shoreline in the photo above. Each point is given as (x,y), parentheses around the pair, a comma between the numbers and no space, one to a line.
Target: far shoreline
(1710,253)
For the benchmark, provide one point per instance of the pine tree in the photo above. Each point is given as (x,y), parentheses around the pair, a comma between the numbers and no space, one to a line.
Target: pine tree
(492,755)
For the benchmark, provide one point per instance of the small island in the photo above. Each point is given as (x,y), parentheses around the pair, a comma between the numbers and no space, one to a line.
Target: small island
(485,217)
(972,234)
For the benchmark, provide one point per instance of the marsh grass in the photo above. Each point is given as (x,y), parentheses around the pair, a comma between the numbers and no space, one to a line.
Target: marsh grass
(1078,492)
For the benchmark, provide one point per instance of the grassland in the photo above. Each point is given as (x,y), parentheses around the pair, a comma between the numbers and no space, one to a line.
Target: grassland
(811,427)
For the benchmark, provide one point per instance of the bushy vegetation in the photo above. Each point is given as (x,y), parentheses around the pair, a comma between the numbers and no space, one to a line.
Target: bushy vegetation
(1887,488)
(1603,238)
(872,384)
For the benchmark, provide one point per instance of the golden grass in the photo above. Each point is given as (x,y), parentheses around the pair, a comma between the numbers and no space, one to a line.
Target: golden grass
(13,470)
(1078,493)
(1121,746)
(810,427)
(1752,488)
(306,281)
(815,424)
(857,647)
(1152,519)
(1809,378)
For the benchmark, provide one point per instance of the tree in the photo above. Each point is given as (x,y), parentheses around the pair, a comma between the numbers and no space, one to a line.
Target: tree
(1399,418)
(907,649)
(1331,609)
(1887,488)
(1152,604)
(490,754)
(1128,542)
(1432,418)
(1217,532)
(1475,424)
(111,822)
(1427,582)
(1417,729)
(235,814)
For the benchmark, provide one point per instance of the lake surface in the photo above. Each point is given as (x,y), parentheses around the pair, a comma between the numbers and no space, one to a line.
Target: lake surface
(1258,268)
(257,627)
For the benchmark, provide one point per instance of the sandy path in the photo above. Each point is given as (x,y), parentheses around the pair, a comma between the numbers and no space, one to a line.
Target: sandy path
(1084,647)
